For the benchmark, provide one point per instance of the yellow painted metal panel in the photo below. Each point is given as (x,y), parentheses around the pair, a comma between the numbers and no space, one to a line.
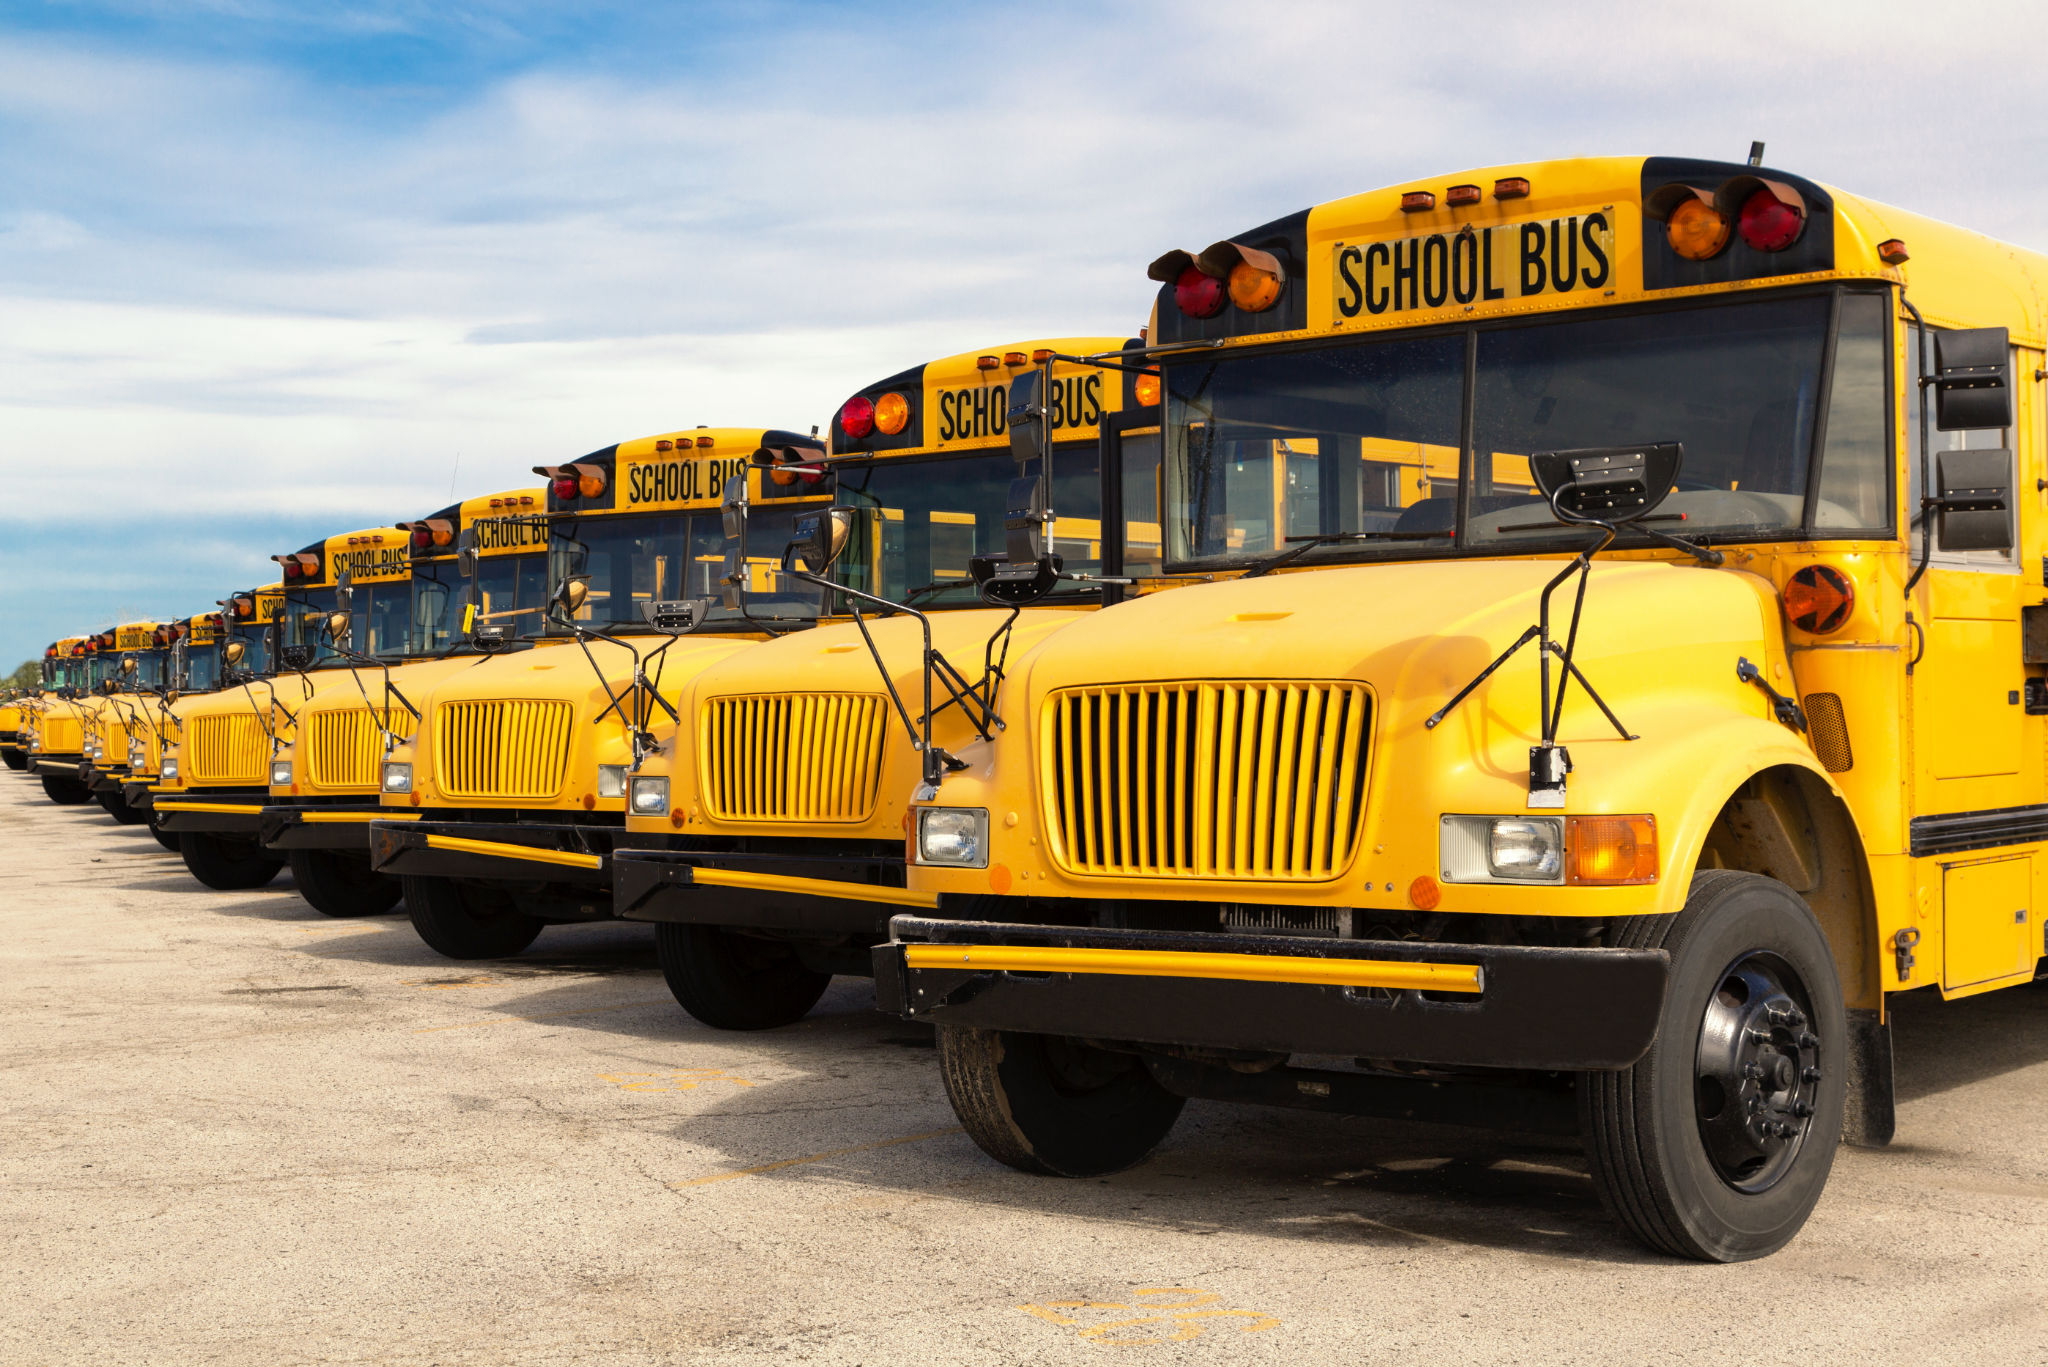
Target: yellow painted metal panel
(1987,921)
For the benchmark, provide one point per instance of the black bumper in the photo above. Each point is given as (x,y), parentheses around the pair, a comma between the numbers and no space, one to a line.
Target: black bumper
(323,826)
(822,894)
(136,793)
(57,766)
(1537,1008)
(519,852)
(106,780)
(232,812)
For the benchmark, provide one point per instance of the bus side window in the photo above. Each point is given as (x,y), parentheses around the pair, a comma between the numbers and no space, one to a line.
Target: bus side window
(1855,483)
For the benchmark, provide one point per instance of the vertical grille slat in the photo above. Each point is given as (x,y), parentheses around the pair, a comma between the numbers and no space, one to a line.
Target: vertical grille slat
(805,757)
(517,749)
(1251,780)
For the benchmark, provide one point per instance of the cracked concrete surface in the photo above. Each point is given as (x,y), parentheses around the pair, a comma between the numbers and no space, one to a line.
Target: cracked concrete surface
(234,1131)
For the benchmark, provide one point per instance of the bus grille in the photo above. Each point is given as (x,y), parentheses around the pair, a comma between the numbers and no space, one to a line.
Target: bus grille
(793,757)
(62,735)
(229,749)
(344,749)
(1261,781)
(516,749)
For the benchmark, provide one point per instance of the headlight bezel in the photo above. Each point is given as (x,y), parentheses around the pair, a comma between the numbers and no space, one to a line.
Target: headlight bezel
(1469,849)
(975,832)
(656,784)
(399,770)
(169,771)
(611,781)
(278,766)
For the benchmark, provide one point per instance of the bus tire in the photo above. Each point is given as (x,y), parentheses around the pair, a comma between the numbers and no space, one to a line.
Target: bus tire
(65,792)
(1055,1106)
(116,806)
(1715,1145)
(14,759)
(227,865)
(462,921)
(340,885)
(167,839)
(730,981)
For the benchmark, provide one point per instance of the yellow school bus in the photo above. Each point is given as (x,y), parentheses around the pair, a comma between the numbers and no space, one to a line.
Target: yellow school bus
(217,753)
(140,658)
(56,742)
(767,840)
(404,600)
(191,666)
(1612,786)
(512,787)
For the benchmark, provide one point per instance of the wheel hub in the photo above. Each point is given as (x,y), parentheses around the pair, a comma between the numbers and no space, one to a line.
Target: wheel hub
(1757,1072)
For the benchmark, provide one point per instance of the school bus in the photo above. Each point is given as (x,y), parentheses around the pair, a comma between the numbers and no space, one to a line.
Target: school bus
(767,837)
(216,760)
(191,666)
(512,788)
(1611,787)
(56,742)
(140,659)
(403,600)
(15,705)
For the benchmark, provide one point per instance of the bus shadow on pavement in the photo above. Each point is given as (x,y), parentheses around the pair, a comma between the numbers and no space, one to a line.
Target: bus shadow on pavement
(1938,1046)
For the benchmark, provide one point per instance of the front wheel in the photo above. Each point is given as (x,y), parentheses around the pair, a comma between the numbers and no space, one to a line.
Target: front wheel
(116,806)
(65,792)
(1045,1104)
(1717,1142)
(227,865)
(736,982)
(466,921)
(340,885)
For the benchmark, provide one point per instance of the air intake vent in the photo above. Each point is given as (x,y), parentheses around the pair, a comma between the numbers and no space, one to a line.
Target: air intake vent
(229,749)
(1829,731)
(808,757)
(506,750)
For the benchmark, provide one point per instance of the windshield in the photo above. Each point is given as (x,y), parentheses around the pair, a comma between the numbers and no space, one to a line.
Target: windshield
(302,620)
(1738,384)
(631,561)
(149,669)
(202,667)
(378,617)
(925,519)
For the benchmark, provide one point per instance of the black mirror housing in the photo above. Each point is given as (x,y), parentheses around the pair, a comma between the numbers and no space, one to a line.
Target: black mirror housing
(1608,483)
(1972,379)
(1026,418)
(1975,502)
(732,578)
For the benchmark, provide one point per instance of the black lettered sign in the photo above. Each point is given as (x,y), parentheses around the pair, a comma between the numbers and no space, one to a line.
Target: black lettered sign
(1475,266)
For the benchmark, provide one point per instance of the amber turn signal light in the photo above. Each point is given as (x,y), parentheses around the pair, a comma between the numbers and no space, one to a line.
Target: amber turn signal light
(1417,201)
(1610,850)
(1251,289)
(1819,598)
(892,414)
(1146,389)
(1892,252)
(1459,195)
(1511,187)
(1697,230)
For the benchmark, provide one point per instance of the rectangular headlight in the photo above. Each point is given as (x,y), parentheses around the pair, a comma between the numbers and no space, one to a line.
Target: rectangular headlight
(611,780)
(650,796)
(280,773)
(953,835)
(1502,849)
(170,768)
(136,755)
(397,777)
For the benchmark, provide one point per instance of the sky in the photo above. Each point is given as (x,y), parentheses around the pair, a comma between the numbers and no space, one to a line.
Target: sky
(273,271)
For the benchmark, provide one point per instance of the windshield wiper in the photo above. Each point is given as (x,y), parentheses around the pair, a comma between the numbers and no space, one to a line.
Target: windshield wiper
(1302,545)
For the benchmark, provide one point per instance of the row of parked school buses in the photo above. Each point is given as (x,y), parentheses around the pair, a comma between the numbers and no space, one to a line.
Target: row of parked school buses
(1556,647)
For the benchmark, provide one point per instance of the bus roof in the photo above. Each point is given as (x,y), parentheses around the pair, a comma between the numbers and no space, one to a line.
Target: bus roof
(1540,236)
(961,401)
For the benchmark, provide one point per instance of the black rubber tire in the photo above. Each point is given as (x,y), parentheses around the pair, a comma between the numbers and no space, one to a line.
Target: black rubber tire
(65,792)
(730,981)
(116,806)
(167,839)
(225,864)
(467,921)
(14,759)
(1047,1105)
(1650,1161)
(336,884)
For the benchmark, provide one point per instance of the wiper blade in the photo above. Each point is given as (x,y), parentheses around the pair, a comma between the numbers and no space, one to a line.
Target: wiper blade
(1304,544)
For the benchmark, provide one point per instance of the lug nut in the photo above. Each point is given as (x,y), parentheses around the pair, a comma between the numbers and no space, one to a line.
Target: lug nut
(1810,1074)
(1802,1109)
(1809,1040)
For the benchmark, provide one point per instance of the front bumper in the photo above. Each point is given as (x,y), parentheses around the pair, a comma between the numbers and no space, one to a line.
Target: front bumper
(237,812)
(57,766)
(837,896)
(106,780)
(521,852)
(1453,1005)
(323,826)
(139,793)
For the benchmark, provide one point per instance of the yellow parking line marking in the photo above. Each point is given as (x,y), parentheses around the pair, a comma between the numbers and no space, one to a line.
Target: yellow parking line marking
(545,1015)
(813,1158)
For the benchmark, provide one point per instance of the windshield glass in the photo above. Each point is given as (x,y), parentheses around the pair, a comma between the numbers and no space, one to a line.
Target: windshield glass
(631,561)
(378,616)
(149,669)
(202,667)
(923,520)
(511,590)
(1365,438)
(302,620)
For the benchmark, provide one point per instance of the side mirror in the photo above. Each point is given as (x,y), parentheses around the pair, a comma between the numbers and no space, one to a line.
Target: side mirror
(1975,504)
(344,591)
(1607,483)
(820,539)
(465,553)
(732,578)
(1972,380)
(1026,418)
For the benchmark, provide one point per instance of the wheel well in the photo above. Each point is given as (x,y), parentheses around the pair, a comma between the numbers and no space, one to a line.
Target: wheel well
(1787,824)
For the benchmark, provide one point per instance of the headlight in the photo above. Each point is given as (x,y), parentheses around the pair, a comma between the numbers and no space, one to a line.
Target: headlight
(280,773)
(397,777)
(170,768)
(138,755)
(611,780)
(1502,849)
(953,835)
(650,796)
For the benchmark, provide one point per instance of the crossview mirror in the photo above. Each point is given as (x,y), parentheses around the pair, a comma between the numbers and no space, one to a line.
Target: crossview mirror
(572,594)
(732,578)
(1607,483)
(1972,379)
(820,539)
(234,652)
(337,626)
(1975,503)
(127,664)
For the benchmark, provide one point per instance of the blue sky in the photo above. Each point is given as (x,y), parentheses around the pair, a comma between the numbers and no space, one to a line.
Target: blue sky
(270,271)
